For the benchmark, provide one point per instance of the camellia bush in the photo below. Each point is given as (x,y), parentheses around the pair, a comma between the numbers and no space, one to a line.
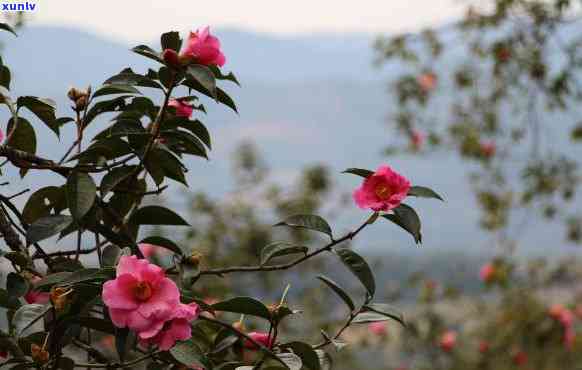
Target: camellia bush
(102,287)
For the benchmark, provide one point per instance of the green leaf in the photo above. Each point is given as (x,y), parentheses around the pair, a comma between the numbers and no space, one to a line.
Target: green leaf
(147,52)
(95,323)
(129,77)
(359,267)
(7,27)
(81,191)
(339,291)
(47,226)
(164,243)
(16,285)
(42,202)
(204,76)
(189,354)
(220,76)
(278,249)
(359,172)
(423,192)
(407,218)
(114,178)
(156,215)
(104,106)
(8,301)
(5,77)
(27,315)
(171,40)
(243,305)
(379,312)
(311,222)
(23,138)
(44,109)
(307,354)
(115,89)
(292,361)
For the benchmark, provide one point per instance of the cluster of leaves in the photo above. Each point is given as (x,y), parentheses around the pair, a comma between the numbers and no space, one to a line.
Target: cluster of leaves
(504,82)
(103,205)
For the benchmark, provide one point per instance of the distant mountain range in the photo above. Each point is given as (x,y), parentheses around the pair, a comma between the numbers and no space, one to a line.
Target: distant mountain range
(304,100)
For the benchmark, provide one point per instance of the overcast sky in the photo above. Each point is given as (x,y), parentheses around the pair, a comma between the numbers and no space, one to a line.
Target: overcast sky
(136,20)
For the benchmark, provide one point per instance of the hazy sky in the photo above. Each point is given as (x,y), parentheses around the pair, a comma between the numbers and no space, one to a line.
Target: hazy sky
(144,19)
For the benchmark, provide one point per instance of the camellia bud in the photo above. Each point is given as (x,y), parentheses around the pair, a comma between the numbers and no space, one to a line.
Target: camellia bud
(39,354)
(81,103)
(239,326)
(74,94)
(59,298)
(171,57)
(79,97)
(195,259)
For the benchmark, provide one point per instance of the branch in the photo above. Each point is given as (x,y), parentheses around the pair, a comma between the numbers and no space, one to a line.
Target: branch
(285,266)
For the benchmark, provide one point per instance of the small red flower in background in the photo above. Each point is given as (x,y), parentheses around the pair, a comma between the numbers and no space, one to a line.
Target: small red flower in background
(448,341)
(487,273)
(483,347)
(488,149)
(36,297)
(203,48)
(417,139)
(3,354)
(183,109)
(1,136)
(259,337)
(427,81)
(382,191)
(519,358)
(566,318)
(378,328)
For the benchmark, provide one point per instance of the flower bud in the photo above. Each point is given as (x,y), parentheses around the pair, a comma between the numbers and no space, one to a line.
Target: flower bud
(195,259)
(171,58)
(39,354)
(60,298)
(239,326)
(74,94)
(262,338)
(81,103)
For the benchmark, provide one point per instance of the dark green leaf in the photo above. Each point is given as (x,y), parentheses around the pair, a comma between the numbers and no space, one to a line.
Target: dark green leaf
(243,305)
(42,202)
(423,192)
(164,243)
(47,226)
(7,27)
(147,52)
(278,249)
(156,215)
(406,217)
(128,77)
(114,178)
(311,222)
(8,301)
(189,354)
(16,285)
(23,138)
(81,191)
(307,354)
(371,311)
(171,40)
(5,77)
(44,109)
(204,76)
(220,76)
(359,267)
(359,172)
(339,291)
(292,361)
(105,106)
(27,315)
(115,89)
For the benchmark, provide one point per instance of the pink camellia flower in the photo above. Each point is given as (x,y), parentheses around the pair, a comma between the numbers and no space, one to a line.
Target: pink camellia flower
(176,327)
(417,139)
(34,296)
(141,295)
(427,81)
(488,149)
(170,56)
(382,191)
(183,109)
(448,341)
(378,328)
(259,337)
(487,273)
(203,48)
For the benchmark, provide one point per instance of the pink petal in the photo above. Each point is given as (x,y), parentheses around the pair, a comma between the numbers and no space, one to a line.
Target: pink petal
(164,297)
(119,317)
(118,293)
